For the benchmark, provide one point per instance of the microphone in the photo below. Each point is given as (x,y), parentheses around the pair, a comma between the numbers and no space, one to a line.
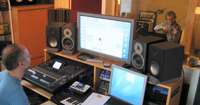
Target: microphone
(161,11)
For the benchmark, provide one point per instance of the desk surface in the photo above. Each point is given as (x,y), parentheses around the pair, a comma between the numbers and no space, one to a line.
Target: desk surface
(37,89)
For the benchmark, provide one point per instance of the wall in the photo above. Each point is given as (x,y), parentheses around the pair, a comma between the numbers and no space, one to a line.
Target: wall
(196,38)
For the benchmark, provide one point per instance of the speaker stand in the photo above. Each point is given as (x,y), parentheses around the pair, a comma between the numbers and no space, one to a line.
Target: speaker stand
(53,50)
(67,52)
(127,66)
(84,56)
(155,81)
(152,79)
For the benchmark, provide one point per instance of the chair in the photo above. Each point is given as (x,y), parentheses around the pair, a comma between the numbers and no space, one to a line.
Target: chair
(180,37)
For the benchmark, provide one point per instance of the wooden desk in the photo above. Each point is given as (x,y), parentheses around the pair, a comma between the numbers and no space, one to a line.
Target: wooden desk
(37,89)
(174,87)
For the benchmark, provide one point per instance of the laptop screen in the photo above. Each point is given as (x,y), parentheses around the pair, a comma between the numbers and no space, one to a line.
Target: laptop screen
(127,85)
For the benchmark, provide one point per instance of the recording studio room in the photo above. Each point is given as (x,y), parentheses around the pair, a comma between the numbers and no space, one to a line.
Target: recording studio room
(106,52)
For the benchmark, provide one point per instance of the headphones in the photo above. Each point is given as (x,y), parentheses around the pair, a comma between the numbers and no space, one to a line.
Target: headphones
(170,13)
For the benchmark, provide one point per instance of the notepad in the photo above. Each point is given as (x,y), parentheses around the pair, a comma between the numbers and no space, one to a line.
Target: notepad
(96,99)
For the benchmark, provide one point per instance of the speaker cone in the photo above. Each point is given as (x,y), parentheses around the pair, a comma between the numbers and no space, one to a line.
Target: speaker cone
(67,43)
(53,42)
(137,61)
(154,68)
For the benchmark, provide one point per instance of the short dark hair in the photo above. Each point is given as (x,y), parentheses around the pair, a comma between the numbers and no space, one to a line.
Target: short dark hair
(169,14)
(12,57)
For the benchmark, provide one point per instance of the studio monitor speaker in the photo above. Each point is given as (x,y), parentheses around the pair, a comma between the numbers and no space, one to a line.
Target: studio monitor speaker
(53,36)
(165,61)
(140,52)
(69,33)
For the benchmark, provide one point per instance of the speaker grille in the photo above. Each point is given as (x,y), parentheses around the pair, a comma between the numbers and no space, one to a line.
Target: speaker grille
(137,60)
(68,43)
(154,68)
(53,42)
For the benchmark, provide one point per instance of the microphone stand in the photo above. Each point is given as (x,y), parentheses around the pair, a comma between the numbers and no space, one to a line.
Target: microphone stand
(147,21)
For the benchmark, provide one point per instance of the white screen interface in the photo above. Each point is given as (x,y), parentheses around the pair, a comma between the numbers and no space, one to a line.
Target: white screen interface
(57,65)
(131,86)
(105,36)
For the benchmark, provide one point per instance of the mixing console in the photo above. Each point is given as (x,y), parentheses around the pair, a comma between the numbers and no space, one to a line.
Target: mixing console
(54,80)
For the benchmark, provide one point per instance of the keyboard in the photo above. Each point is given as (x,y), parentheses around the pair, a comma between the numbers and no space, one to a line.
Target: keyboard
(71,101)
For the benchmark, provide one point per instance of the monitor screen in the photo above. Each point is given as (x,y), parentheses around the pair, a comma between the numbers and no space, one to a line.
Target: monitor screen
(57,65)
(127,85)
(106,36)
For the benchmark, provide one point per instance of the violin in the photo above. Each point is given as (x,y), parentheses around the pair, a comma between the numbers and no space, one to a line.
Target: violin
(174,26)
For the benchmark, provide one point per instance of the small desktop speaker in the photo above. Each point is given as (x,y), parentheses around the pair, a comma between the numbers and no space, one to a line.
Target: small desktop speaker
(17,2)
(22,2)
(53,36)
(140,52)
(165,61)
(69,33)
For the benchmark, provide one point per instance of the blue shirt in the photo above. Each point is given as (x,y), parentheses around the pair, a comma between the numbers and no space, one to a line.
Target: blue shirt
(11,90)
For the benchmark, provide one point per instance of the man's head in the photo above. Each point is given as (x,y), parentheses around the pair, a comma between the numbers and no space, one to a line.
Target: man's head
(170,17)
(15,56)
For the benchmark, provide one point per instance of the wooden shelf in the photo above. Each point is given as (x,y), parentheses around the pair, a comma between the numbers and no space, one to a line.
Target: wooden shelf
(99,65)
(5,34)
(3,9)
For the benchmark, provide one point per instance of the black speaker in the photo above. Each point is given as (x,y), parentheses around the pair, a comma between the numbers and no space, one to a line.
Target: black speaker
(22,2)
(69,33)
(53,36)
(140,51)
(28,2)
(165,61)
(18,2)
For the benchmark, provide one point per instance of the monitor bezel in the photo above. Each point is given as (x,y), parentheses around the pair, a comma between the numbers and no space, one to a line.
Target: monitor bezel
(130,71)
(131,20)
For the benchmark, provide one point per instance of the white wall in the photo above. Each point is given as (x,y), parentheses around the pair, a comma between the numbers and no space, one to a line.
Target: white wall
(191,77)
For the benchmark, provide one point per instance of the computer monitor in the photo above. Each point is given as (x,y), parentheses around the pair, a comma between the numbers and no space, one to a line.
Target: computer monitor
(106,36)
(127,85)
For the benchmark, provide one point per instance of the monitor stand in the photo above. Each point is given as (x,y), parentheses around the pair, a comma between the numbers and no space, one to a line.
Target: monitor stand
(127,66)
(83,56)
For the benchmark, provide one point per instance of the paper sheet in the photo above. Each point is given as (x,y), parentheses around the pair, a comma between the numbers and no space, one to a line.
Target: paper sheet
(96,99)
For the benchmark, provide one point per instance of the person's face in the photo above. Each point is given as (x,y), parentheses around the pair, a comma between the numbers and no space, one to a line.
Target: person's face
(27,60)
(170,19)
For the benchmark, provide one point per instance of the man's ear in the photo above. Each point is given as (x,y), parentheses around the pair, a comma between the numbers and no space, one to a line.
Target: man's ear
(21,63)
